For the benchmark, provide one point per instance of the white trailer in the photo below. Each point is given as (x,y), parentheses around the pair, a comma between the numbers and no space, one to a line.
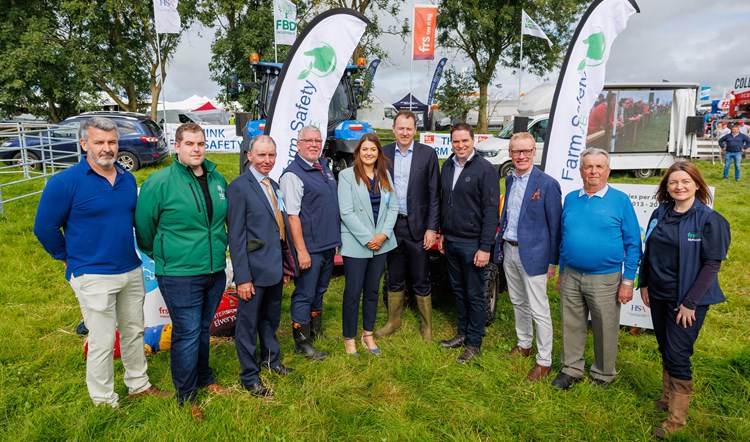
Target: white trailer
(642,125)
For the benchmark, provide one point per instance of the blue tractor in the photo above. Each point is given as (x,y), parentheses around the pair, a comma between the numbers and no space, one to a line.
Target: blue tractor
(344,131)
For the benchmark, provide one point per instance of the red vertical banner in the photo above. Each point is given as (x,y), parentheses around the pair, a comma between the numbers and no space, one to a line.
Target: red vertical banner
(423,44)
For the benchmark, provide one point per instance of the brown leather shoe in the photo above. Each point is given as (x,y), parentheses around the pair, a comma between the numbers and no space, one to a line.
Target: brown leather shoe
(150,391)
(526,352)
(217,389)
(539,372)
(195,411)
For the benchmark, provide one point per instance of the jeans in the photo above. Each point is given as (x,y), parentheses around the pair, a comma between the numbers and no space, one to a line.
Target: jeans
(729,157)
(192,302)
(362,278)
(467,283)
(310,286)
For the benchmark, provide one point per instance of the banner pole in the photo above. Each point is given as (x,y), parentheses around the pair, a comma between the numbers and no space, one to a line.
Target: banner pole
(163,91)
(520,63)
(411,56)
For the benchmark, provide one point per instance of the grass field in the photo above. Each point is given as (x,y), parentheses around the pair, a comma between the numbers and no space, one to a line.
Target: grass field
(414,391)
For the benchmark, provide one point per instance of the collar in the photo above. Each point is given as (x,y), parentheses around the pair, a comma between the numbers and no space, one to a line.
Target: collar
(309,163)
(471,157)
(410,149)
(600,193)
(524,176)
(208,165)
(88,169)
(258,176)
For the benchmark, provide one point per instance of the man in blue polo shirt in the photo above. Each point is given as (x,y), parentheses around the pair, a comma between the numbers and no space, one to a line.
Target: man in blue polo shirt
(93,203)
(311,199)
(599,254)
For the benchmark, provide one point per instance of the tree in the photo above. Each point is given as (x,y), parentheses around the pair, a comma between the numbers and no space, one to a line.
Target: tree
(488,32)
(57,52)
(454,95)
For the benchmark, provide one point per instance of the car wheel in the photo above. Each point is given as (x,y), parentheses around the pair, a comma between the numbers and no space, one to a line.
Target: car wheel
(491,291)
(644,173)
(128,161)
(506,169)
(30,157)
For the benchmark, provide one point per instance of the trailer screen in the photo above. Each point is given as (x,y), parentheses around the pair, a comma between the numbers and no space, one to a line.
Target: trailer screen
(631,121)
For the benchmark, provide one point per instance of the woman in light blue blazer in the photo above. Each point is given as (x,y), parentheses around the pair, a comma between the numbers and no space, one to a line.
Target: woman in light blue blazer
(368,213)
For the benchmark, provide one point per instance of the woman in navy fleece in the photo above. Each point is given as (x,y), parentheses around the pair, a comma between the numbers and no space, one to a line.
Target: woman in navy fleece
(685,243)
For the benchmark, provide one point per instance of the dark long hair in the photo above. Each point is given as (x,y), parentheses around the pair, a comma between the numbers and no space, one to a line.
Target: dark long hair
(381,166)
(701,192)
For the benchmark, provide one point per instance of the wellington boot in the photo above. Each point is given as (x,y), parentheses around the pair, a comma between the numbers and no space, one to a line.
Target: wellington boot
(679,400)
(395,308)
(316,326)
(663,403)
(425,311)
(303,342)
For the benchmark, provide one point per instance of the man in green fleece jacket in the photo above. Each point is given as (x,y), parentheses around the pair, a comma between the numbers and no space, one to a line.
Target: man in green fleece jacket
(180,222)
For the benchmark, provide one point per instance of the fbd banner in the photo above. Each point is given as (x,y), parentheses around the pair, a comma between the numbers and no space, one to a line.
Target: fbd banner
(309,77)
(423,43)
(284,22)
(580,82)
(436,79)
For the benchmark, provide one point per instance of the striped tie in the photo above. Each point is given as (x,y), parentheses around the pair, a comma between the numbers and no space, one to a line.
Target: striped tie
(275,203)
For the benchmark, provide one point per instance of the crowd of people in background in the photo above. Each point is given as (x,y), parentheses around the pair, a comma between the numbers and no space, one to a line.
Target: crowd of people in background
(388,209)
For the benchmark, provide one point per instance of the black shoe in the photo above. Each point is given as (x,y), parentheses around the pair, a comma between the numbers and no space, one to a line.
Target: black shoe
(600,382)
(258,389)
(303,343)
(457,341)
(564,381)
(281,369)
(469,354)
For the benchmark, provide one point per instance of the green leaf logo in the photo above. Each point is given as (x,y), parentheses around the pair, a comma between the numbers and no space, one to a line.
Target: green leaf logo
(597,44)
(323,62)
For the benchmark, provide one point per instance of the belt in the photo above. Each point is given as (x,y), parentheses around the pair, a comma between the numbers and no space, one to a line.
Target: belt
(513,243)
(400,216)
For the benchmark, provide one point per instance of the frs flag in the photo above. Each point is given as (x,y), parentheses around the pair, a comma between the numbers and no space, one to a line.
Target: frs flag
(580,81)
(425,18)
(166,17)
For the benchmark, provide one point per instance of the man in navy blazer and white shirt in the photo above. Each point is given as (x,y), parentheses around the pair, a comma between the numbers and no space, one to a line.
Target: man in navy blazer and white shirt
(416,178)
(529,240)
(263,261)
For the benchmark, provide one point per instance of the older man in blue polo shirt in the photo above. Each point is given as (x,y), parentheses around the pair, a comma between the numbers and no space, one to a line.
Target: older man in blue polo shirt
(85,220)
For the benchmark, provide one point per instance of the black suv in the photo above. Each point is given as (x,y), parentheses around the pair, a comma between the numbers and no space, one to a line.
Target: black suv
(141,141)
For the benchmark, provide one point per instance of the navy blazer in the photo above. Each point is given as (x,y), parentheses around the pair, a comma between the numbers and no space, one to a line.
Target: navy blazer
(252,220)
(423,197)
(539,223)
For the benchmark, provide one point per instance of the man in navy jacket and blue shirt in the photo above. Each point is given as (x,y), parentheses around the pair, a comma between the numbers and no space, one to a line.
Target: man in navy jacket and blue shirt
(416,180)
(470,202)
(85,219)
(529,241)
(313,207)
(262,260)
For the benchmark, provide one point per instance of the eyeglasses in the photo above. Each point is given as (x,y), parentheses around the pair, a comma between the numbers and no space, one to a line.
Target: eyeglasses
(312,140)
(518,153)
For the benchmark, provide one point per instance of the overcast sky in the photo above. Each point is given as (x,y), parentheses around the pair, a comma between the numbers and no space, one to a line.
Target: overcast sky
(677,40)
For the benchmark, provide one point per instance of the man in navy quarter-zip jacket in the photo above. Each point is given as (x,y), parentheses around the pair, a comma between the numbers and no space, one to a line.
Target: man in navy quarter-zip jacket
(469,217)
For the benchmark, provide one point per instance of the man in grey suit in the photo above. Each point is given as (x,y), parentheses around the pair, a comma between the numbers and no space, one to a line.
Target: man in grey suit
(416,178)
(529,240)
(263,261)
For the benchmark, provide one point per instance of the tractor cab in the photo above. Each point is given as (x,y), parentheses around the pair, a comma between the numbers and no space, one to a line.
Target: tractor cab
(344,131)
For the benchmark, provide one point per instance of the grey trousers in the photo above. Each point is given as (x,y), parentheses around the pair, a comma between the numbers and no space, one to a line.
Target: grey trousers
(581,294)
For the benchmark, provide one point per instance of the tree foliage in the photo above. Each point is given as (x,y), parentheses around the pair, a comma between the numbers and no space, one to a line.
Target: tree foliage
(455,94)
(55,53)
(488,33)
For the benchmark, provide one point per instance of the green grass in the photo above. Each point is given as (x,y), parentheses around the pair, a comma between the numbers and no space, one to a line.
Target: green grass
(414,391)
